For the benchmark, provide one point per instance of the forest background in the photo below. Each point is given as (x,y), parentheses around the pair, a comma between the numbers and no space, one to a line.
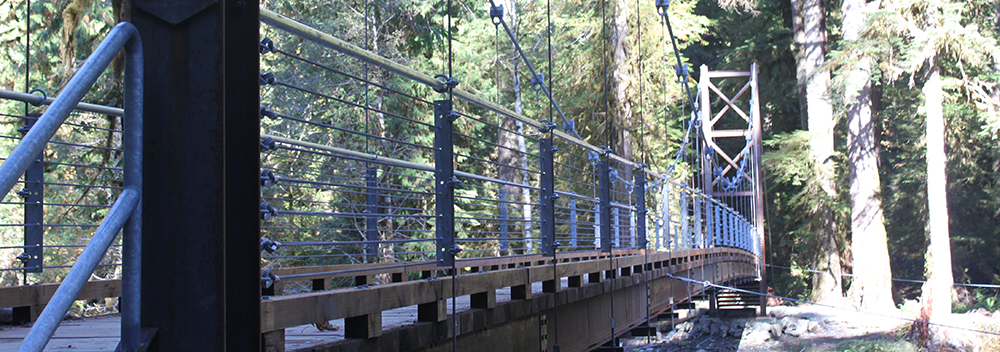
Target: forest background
(864,104)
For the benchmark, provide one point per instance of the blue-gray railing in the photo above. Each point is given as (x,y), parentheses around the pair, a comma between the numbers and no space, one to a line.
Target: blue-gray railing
(125,215)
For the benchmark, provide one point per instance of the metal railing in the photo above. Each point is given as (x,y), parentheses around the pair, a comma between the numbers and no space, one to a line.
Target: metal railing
(352,170)
(126,213)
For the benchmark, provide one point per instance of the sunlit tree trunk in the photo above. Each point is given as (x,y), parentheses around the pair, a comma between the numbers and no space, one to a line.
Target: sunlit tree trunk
(871,288)
(621,81)
(826,285)
(936,298)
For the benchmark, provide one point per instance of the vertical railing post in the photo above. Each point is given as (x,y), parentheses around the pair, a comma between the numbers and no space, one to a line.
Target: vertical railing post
(699,233)
(640,207)
(33,194)
(572,223)
(605,206)
(617,228)
(718,225)
(665,237)
(504,234)
(547,223)
(709,224)
(685,233)
(445,181)
(371,212)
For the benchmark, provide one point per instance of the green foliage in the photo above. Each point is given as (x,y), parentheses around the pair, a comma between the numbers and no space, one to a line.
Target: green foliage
(877,345)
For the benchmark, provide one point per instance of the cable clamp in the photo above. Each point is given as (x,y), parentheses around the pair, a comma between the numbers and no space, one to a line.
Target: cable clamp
(24,193)
(537,83)
(452,115)
(593,157)
(605,151)
(447,83)
(266,46)
(268,144)
(662,6)
(264,112)
(569,125)
(547,126)
(454,250)
(496,14)
(555,197)
(454,182)
(267,79)
(24,257)
(267,211)
(682,73)
(43,98)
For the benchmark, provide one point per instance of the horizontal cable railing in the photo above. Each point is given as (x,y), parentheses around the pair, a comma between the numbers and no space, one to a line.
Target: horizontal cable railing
(351,171)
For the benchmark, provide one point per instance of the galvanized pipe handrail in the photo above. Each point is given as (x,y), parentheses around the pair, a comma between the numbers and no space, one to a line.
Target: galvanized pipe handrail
(39,100)
(60,302)
(125,215)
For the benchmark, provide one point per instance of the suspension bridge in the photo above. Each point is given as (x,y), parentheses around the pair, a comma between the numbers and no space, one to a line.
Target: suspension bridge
(272,201)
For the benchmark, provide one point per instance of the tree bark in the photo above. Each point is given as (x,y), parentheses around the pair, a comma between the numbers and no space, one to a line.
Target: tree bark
(936,298)
(871,289)
(620,83)
(826,285)
(511,140)
(798,36)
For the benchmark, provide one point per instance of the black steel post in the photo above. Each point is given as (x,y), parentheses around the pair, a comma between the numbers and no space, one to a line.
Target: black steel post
(547,225)
(605,191)
(201,246)
(445,182)
(371,212)
(640,207)
(33,195)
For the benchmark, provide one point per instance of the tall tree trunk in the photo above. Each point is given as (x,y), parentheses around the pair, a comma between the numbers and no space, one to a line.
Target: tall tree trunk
(798,36)
(937,290)
(826,285)
(871,289)
(521,147)
(621,81)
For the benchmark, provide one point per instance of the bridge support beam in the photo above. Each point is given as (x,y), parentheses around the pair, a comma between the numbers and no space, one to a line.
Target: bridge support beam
(200,251)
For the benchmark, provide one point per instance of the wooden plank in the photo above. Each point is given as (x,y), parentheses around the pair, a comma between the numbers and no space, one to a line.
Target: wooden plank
(39,295)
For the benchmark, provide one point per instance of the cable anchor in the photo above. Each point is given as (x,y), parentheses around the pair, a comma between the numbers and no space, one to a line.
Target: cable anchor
(267,79)
(267,279)
(268,245)
(455,182)
(682,72)
(264,112)
(268,144)
(24,257)
(267,211)
(267,178)
(447,83)
(266,46)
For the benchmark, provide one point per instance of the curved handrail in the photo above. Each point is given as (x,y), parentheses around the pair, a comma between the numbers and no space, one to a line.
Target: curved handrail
(126,214)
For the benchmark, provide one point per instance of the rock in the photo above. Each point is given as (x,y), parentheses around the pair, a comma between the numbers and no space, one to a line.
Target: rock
(786,322)
(776,330)
(813,326)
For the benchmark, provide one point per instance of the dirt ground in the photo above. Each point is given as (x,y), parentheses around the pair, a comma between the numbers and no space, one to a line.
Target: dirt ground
(814,328)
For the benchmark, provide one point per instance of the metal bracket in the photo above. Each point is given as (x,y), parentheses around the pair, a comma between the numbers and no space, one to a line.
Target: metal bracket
(267,211)
(547,126)
(268,245)
(267,78)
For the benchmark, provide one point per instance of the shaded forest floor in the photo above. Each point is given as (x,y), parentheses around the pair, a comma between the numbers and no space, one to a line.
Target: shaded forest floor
(814,328)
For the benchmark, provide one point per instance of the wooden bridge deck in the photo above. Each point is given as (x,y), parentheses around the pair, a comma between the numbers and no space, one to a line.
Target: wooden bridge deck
(102,333)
